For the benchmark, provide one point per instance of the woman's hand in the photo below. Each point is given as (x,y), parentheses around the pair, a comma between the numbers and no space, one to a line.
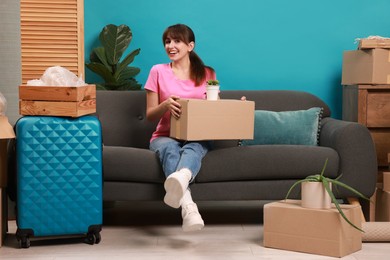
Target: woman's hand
(173,106)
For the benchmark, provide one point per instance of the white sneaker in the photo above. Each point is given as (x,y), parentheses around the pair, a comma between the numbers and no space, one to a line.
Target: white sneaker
(192,220)
(175,186)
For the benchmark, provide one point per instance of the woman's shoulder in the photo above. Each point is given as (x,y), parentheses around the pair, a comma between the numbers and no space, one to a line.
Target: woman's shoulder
(161,67)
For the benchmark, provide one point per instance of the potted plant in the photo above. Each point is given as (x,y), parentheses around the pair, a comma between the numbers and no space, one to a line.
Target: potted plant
(327,184)
(212,89)
(106,60)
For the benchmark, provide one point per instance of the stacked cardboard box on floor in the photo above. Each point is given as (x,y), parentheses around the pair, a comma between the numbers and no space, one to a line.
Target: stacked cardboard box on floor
(289,226)
(6,133)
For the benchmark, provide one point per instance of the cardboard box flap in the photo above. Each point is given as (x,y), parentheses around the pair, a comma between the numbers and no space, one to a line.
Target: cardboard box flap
(6,130)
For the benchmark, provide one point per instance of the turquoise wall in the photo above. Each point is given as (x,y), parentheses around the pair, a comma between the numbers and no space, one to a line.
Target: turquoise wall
(252,44)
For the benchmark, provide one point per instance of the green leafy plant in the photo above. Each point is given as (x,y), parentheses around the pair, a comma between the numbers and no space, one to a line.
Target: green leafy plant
(212,82)
(106,60)
(326,184)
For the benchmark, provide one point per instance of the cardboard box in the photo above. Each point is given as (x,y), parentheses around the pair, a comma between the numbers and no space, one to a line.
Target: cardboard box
(214,120)
(288,226)
(371,66)
(6,132)
(382,205)
(57,101)
(374,43)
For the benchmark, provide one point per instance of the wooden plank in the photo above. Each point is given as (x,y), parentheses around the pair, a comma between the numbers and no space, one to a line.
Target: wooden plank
(53,108)
(53,93)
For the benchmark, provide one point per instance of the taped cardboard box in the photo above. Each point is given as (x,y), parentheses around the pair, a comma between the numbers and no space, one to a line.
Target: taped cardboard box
(370,66)
(57,101)
(214,120)
(289,226)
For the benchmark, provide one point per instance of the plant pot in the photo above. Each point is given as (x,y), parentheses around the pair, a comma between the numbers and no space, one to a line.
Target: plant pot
(314,196)
(212,92)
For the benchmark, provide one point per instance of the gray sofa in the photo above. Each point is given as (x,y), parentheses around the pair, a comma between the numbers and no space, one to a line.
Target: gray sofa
(231,172)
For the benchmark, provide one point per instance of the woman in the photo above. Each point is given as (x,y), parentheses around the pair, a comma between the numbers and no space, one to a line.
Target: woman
(184,77)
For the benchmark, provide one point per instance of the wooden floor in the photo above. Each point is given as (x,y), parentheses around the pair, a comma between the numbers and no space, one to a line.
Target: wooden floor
(151,230)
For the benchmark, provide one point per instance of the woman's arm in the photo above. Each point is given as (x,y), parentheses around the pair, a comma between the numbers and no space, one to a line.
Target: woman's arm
(154,110)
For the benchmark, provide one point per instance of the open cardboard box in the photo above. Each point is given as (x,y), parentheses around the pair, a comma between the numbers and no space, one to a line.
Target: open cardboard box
(368,66)
(289,226)
(6,133)
(223,119)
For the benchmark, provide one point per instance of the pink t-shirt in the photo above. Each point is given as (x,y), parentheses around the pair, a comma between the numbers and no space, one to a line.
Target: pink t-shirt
(163,81)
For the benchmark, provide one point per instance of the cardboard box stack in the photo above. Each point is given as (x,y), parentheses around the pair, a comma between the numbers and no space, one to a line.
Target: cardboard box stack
(6,133)
(366,96)
(289,226)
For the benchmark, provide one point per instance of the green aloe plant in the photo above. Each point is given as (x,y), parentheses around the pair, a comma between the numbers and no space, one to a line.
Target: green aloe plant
(212,82)
(106,60)
(326,183)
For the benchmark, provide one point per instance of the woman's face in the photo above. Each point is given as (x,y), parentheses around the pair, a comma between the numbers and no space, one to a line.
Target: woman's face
(177,49)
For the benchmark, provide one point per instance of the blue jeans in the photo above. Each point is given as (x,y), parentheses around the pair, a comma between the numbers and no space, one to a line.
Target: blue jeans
(175,155)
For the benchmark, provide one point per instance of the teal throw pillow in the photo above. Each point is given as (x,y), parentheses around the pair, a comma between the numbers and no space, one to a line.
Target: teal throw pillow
(299,127)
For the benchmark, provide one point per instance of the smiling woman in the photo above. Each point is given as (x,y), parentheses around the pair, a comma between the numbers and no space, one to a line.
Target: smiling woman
(184,77)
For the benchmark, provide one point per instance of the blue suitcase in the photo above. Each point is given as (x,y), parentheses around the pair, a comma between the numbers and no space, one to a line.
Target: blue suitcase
(59,178)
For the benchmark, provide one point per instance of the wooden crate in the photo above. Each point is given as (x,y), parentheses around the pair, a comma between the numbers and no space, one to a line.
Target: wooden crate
(57,101)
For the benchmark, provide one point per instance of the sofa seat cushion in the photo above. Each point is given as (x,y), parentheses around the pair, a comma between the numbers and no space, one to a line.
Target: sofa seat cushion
(267,162)
(131,164)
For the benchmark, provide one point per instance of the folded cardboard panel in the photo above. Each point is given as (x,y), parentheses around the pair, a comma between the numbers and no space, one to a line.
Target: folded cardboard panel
(57,101)
(214,120)
(369,66)
(288,226)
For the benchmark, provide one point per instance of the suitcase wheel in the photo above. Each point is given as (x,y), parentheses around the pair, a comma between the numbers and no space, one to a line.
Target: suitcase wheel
(93,238)
(23,237)
(24,242)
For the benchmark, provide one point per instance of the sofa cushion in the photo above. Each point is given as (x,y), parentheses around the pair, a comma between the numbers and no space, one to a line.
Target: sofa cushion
(131,164)
(287,127)
(267,162)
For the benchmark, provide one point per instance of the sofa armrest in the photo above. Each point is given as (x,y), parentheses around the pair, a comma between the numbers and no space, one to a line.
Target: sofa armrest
(356,149)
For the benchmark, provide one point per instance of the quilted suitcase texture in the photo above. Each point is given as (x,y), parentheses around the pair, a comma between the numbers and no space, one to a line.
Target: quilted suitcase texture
(59,177)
